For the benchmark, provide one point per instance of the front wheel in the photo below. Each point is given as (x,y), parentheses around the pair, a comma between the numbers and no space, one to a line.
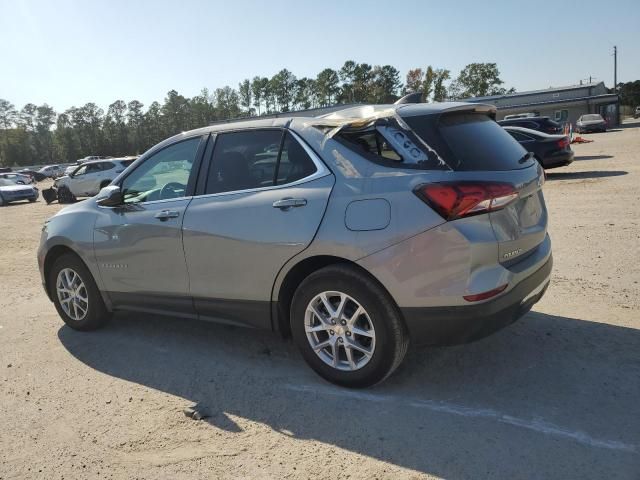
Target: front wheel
(76,295)
(347,327)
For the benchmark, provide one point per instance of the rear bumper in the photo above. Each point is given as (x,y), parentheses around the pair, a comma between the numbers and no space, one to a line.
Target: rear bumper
(592,128)
(558,160)
(467,323)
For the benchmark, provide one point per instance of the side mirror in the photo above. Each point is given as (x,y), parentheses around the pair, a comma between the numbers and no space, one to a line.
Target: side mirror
(110,196)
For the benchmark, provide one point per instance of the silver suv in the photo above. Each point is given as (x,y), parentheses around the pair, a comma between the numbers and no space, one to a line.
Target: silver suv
(355,233)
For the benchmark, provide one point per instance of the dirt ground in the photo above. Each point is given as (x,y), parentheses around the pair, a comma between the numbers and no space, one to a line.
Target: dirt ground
(556,395)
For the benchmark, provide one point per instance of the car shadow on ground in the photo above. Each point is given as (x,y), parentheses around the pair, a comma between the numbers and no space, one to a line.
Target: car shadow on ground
(592,157)
(584,175)
(548,397)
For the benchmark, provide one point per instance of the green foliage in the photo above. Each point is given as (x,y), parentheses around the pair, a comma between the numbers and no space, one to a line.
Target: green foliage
(629,94)
(36,134)
(479,80)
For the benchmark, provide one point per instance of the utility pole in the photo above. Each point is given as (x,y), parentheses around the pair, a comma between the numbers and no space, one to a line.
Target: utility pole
(615,82)
(615,69)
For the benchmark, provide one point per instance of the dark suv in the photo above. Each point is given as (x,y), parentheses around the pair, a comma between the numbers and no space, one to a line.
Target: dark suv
(542,124)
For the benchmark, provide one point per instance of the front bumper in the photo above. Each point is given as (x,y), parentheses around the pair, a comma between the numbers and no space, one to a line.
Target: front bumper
(463,324)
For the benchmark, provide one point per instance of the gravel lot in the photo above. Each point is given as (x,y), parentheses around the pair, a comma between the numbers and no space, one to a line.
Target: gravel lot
(556,395)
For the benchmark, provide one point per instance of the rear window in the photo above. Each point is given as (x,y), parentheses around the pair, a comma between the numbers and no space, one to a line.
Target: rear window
(591,117)
(470,141)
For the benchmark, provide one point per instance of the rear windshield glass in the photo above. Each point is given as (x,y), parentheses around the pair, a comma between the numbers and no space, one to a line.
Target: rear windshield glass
(591,117)
(470,141)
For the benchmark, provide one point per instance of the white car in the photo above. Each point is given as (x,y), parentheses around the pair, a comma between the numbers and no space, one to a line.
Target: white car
(88,179)
(71,168)
(19,178)
(52,171)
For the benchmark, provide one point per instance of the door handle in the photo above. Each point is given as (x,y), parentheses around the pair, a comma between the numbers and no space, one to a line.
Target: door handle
(287,203)
(166,215)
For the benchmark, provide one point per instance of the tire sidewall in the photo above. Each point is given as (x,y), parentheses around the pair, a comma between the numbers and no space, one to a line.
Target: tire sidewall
(379,309)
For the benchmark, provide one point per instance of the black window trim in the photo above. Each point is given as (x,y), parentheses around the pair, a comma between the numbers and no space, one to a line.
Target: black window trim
(321,169)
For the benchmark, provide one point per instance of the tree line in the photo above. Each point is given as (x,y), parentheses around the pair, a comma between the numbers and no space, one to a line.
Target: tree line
(39,135)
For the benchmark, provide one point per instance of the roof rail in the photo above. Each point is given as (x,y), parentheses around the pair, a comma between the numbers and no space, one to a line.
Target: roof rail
(310,112)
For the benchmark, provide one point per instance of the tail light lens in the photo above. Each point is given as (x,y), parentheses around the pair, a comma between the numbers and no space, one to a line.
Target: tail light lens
(462,199)
(563,142)
(485,295)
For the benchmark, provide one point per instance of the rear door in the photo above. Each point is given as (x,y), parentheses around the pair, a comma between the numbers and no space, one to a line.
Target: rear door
(262,199)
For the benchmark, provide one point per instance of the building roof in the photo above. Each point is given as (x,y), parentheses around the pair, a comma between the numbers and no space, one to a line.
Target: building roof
(596,98)
(534,92)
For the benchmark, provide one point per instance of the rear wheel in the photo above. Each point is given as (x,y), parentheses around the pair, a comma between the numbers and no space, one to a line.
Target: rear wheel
(2,204)
(105,183)
(75,294)
(347,327)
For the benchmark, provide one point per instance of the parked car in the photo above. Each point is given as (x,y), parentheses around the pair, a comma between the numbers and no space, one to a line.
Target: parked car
(87,179)
(52,171)
(519,115)
(91,158)
(13,192)
(19,178)
(37,176)
(366,229)
(592,122)
(550,150)
(542,124)
(636,114)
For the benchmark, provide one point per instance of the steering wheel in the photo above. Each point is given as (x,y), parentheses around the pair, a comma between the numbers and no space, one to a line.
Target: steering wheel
(172,190)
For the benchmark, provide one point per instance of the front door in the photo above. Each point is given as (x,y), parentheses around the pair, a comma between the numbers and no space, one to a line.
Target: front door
(264,199)
(138,245)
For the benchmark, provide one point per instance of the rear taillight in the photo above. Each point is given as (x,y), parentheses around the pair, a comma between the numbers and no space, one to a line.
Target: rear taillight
(462,199)
(563,142)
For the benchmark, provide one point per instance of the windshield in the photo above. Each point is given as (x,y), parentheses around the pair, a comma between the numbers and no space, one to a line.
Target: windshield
(5,182)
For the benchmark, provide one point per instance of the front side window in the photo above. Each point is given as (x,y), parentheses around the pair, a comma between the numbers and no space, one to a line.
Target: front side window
(80,171)
(162,176)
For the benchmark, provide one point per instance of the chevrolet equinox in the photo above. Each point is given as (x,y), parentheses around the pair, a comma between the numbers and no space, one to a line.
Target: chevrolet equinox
(355,233)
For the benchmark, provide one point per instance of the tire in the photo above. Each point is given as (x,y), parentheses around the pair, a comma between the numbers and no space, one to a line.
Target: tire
(95,314)
(65,195)
(390,337)
(104,184)
(2,203)
(32,200)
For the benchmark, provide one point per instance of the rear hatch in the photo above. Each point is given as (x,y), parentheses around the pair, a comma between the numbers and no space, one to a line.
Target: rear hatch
(481,153)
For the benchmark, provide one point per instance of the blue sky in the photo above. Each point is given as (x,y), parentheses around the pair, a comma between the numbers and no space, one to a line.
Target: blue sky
(68,53)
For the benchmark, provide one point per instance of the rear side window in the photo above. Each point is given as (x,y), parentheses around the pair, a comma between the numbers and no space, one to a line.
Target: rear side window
(388,143)
(520,136)
(470,141)
(295,164)
(257,159)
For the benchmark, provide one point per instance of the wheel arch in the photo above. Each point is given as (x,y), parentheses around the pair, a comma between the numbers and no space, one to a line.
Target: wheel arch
(283,296)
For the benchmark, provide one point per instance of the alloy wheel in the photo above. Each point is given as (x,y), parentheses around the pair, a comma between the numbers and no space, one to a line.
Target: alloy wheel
(340,331)
(72,294)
